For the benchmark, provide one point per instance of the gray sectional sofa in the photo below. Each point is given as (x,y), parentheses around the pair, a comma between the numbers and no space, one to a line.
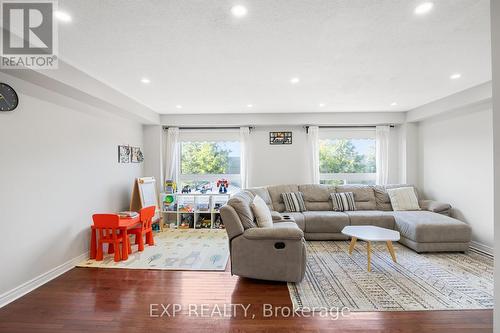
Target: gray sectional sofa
(428,230)
(278,253)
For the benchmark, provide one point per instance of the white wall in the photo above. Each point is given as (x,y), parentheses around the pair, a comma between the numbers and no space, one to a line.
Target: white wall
(58,167)
(288,164)
(153,152)
(456,165)
(278,164)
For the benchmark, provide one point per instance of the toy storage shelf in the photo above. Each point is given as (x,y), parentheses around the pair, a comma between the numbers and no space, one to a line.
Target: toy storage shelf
(193,210)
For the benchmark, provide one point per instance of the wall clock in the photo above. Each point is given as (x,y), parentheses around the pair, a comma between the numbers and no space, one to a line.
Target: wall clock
(8,98)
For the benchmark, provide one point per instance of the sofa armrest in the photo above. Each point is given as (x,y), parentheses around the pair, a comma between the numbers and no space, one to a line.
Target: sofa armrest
(434,206)
(281,231)
(276,216)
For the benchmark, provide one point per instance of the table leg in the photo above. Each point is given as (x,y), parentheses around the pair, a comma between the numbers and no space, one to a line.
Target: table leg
(369,255)
(353,243)
(391,250)
(93,241)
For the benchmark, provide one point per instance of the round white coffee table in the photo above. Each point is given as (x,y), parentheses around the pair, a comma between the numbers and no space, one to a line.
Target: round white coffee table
(370,233)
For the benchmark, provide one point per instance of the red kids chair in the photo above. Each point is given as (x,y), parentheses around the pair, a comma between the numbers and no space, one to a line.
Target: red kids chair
(146,216)
(109,231)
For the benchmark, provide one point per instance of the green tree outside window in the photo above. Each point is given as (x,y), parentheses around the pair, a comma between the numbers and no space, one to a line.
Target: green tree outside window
(204,158)
(341,156)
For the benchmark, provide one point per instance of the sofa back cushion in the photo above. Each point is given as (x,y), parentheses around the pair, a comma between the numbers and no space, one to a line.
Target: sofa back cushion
(275,193)
(382,198)
(241,202)
(264,194)
(364,196)
(317,197)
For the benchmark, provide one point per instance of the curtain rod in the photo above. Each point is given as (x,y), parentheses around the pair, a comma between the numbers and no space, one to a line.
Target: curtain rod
(353,126)
(210,127)
(350,126)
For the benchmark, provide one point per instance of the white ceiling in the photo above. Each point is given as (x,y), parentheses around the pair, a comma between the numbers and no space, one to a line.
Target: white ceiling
(351,55)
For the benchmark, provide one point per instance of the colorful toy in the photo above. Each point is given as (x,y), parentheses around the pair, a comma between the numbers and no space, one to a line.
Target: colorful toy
(222,184)
(205,223)
(169,199)
(186,189)
(169,207)
(187,221)
(186,208)
(217,206)
(218,223)
(170,186)
(204,188)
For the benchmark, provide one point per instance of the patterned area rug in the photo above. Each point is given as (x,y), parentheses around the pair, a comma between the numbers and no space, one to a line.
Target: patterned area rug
(440,281)
(190,250)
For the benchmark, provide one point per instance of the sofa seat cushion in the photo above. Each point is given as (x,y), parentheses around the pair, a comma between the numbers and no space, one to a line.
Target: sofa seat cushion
(372,217)
(325,221)
(429,227)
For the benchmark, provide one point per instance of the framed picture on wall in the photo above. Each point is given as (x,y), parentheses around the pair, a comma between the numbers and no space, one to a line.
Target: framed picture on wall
(136,155)
(123,154)
(280,138)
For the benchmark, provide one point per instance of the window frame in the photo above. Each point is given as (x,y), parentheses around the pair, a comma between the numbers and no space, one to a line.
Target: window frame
(349,134)
(207,135)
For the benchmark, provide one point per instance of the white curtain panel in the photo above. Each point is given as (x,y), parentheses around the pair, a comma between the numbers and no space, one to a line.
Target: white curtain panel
(313,149)
(172,147)
(244,160)
(382,137)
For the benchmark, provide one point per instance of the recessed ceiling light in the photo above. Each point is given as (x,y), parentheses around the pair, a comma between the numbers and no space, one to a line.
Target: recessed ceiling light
(145,80)
(249,105)
(394,104)
(62,16)
(178,106)
(455,76)
(424,8)
(294,80)
(321,105)
(239,11)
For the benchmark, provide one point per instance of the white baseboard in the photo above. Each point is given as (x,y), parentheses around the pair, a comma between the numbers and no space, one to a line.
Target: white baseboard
(481,247)
(26,287)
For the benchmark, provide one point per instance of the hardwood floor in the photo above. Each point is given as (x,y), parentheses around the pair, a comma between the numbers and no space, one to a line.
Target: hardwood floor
(118,300)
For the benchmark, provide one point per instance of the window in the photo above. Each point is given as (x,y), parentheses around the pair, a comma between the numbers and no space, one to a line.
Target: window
(206,157)
(347,156)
